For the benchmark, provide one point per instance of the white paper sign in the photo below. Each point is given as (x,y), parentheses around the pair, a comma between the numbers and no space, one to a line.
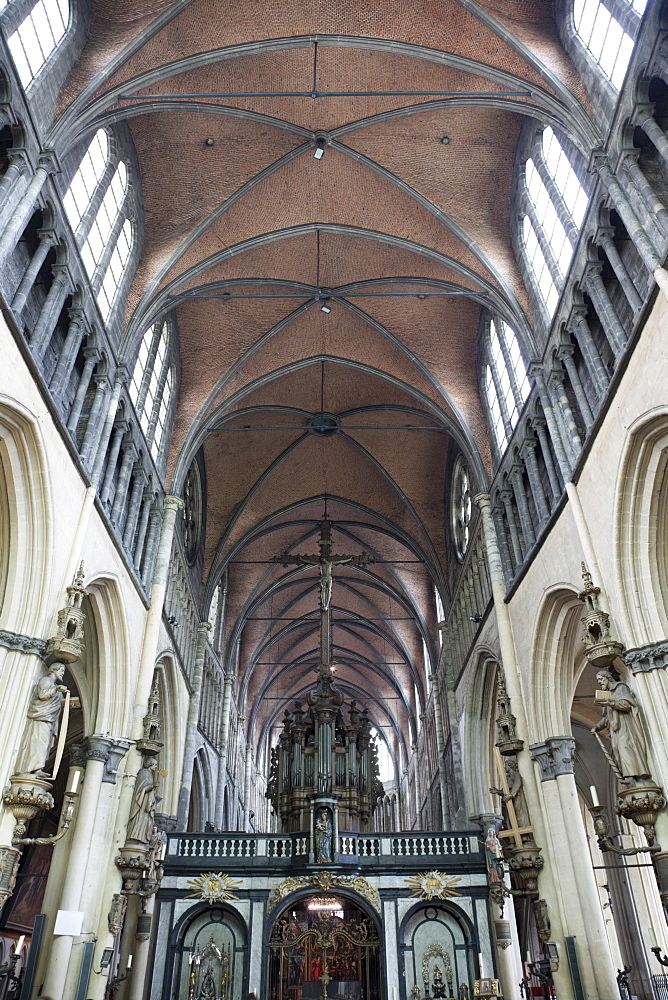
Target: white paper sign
(69,922)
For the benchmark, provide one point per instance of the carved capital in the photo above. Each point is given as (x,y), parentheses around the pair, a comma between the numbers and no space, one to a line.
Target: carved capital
(173,503)
(652,656)
(554,756)
(98,747)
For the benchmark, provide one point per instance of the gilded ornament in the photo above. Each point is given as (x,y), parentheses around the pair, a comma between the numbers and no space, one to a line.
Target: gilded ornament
(433,885)
(325,881)
(214,887)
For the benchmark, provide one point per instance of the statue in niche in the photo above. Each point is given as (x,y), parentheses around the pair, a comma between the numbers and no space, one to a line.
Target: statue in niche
(621,719)
(323,836)
(438,986)
(43,715)
(208,988)
(144,802)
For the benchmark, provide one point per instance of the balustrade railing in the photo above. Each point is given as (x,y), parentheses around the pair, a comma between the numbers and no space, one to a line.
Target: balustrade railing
(360,847)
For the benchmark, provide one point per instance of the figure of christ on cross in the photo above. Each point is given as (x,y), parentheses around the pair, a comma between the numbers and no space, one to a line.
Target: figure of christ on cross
(325,560)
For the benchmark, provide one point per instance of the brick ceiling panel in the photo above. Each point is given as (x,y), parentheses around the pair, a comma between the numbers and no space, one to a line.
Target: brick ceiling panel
(334,190)
(444,25)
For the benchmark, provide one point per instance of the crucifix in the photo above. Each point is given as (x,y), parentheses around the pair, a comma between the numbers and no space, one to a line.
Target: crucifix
(325,560)
(514,829)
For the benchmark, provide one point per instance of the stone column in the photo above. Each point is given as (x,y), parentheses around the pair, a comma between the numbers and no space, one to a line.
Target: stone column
(134,506)
(440,744)
(68,354)
(247,782)
(537,491)
(565,355)
(604,238)
(61,947)
(655,207)
(222,763)
(507,500)
(127,462)
(24,209)
(92,356)
(48,317)
(614,331)
(92,432)
(47,239)
(633,224)
(553,424)
(112,459)
(644,119)
(146,504)
(579,327)
(559,394)
(155,519)
(17,165)
(119,378)
(569,852)
(191,739)
(497,514)
(539,427)
(517,479)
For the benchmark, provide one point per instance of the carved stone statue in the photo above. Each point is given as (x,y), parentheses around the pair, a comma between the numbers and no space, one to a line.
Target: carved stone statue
(493,857)
(621,719)
(323,836)
(144,801)
(43,716)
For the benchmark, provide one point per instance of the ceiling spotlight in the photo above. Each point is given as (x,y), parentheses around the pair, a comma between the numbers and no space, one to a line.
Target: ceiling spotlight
(446,140)
(325,308)
(319,151)
(209,141)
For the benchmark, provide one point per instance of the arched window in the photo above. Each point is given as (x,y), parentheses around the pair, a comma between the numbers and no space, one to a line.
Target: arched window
(385,762)
(115,269)
(152,385)
(505,380)
(603,35)
(555,203)
(84,183)
(37,36)
(110,208)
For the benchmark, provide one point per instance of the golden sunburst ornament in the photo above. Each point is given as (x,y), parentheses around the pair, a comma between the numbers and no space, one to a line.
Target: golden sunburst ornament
(214,887)
(433,885)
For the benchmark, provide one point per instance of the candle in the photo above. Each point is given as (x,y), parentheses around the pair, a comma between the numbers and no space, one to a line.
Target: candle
(482,970)
(594,795)
(129,962)
(19,944)
(394,993)
(529,958)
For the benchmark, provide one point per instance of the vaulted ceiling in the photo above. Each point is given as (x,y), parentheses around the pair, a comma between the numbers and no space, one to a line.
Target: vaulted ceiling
(402,230)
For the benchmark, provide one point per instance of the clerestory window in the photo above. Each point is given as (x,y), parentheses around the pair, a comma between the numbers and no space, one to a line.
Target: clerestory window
(38,36)
(84,184)
(505,380)
(385,763)
(152,386)
(603,35)
(554,203)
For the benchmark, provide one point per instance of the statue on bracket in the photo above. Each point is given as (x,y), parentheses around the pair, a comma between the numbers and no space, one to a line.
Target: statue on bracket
(621,719)
(43,718)
(323,836)
(144,802)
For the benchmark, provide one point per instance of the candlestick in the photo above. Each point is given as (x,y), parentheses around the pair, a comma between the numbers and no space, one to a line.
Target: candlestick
(480,965)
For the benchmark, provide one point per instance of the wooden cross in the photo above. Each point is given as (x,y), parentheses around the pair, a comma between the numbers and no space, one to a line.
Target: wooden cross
(514,830)
(325,560)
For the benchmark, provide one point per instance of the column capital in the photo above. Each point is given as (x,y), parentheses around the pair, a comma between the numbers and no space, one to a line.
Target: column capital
(97,747)
(121,374)
(18,155)
(117,750)
(642,113)
(203,627)
(599,162)
(482,500)
(643,659)
(48,160)
(173,502)
(78,755)
(49,236)
(555,756)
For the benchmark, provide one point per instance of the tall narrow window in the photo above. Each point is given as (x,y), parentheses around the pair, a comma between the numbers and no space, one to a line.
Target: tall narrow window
(604,37)
(505,381)
(385,763)
(152,386)
(115,270)
(37,37)
(84,183)
(555,205)
(110,208)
